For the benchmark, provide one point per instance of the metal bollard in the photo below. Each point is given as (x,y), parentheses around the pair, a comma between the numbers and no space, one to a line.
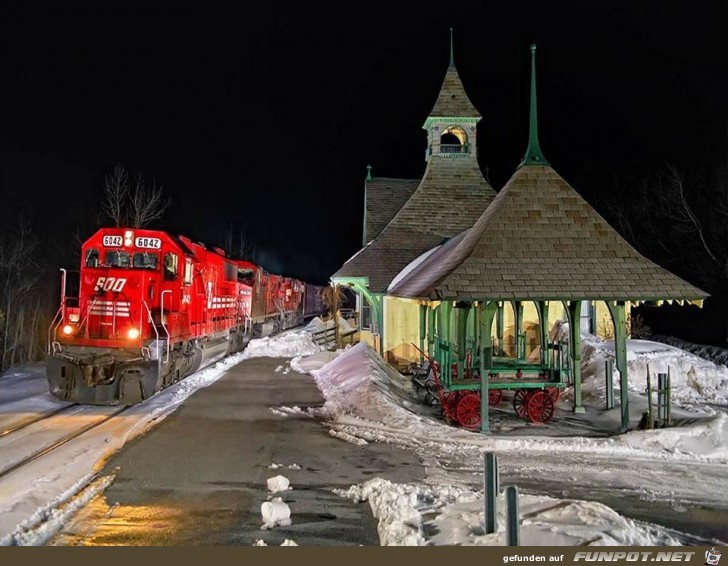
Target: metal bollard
(490,492)
(513,527)
(661,401)
(609,374)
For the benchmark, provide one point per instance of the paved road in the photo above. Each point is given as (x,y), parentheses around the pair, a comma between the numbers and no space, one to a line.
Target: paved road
(200,476)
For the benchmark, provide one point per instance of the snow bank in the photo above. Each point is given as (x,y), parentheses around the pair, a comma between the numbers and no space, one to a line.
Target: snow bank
(455,517)
(286,345)
(694,380)
(319,325)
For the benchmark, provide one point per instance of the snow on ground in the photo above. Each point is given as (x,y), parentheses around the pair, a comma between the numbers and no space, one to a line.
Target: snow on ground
(40,488)
(694,380)
(318,325)
(417,515)
(287,345)
(275,512)
(715,354)
(366,400)
(278,483)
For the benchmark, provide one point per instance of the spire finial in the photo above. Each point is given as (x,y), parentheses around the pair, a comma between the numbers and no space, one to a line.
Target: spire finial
(369,173)
(452,51)
(534,155)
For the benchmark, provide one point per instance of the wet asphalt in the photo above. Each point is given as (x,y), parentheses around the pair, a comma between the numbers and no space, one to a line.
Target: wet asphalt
(199,477)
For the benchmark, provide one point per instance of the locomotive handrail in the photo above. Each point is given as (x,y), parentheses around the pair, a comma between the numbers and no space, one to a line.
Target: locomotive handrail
(161,320)
(154,326)
(52,329)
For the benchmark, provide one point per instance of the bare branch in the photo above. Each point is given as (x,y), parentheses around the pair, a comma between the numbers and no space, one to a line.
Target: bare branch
(116,191)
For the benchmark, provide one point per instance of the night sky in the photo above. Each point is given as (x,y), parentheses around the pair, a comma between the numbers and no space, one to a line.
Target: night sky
(267,119)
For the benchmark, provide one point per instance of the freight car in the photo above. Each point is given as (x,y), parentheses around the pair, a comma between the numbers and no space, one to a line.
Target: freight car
(153,308)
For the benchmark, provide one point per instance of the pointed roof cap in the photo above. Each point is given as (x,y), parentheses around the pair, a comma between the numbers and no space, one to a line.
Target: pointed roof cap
(534,155)
(452,101)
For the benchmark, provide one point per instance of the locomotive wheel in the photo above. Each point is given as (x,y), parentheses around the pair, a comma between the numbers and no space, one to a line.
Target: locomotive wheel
(520,399)
(495,397)
(554,393)
(468,411)
(540,407)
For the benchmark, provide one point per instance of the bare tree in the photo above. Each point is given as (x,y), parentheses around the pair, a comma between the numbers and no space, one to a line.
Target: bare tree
(133,207)
(147,203)
(116,193)
(239,244)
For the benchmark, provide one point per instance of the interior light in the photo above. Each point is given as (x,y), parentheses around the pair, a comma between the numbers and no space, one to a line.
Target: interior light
(68,330)
(133,334)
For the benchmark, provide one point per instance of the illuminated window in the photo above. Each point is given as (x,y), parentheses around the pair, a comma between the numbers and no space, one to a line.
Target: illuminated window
(170,267)
(188,272)
(453,140)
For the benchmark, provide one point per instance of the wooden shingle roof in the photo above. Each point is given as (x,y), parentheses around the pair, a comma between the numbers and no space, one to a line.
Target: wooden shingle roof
(452,100)
(384,198)
(539,239)
(450,198)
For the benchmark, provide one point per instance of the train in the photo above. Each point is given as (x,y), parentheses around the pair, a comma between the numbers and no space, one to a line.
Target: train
(152,308)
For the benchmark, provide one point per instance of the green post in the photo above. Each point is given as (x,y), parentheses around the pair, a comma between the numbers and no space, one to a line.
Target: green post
(462,314)
(430,331)
(543,316)
(617,310)
(487,312)
(423,330)
(500,326)
(574,310)
(445,340)
(518,323)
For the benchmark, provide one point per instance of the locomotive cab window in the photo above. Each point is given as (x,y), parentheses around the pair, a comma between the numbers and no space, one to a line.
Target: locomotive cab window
(170,267)
(188,272)
(246,276)
(92,258)
(145,260)
(118,259)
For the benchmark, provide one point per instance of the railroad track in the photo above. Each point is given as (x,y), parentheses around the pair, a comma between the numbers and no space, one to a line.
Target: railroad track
(31,421)
(58,443)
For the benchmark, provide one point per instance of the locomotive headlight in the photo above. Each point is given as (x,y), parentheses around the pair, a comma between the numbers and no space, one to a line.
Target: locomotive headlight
(67,330)
(128,238)
(133,334)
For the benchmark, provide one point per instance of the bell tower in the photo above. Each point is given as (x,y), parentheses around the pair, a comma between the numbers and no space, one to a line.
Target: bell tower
(452,124)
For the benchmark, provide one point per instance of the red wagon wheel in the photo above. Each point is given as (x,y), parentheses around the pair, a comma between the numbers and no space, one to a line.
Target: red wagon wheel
(554,393)
(449,405)
(540,407)
(495,397)
(468,411)
(519,402)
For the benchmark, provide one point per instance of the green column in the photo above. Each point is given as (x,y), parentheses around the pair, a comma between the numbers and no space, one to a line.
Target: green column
(518,323)
(543,316)
(487,312)
(423,330)
(445,340)
(431,331)
(462,313)
(500,325)
(619,319)
(574,309)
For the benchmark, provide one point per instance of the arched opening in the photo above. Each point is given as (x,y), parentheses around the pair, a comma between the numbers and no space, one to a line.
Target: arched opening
(453,140)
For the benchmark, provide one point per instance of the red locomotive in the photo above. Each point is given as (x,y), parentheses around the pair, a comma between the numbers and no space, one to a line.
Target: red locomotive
(152,308)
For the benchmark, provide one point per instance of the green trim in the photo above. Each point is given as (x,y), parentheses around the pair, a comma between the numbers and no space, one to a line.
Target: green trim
(451,120)
(534,155)
(574,312)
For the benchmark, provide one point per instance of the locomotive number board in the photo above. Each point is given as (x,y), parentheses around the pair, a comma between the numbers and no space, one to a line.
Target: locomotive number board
(151,243)
(113,241)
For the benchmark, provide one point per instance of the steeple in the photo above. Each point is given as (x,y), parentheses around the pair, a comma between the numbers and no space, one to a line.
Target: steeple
(452,52)
(452,121)
(534,155)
